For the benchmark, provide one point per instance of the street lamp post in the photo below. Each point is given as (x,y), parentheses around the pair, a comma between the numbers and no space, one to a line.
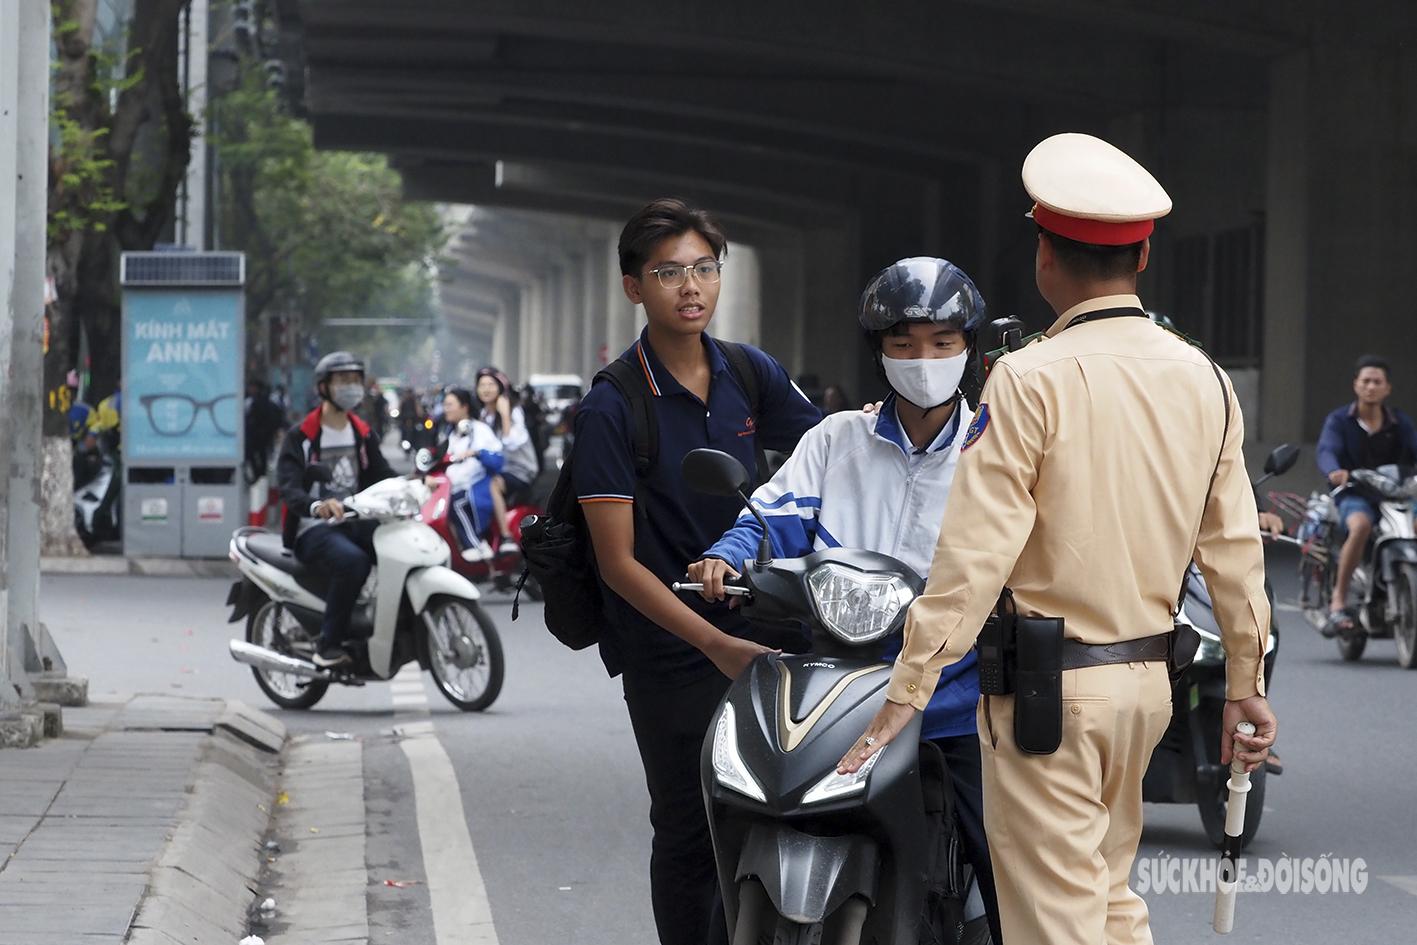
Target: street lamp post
(24,160)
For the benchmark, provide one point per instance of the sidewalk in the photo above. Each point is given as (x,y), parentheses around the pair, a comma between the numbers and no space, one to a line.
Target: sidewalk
(149,567)
(145,819)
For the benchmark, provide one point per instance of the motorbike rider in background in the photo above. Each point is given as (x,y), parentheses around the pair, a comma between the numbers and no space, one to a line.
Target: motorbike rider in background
(343,444)
(1365,434)
(879,482)
(474,459)
(508,421)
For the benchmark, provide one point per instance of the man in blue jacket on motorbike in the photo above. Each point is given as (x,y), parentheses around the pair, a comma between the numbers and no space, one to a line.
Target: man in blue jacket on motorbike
(1365,434)
(879,482)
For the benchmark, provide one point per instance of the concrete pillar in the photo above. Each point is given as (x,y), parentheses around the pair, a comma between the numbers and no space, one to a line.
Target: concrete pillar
(831,345)
(10,652)
(192,218)
(739,312)
(592,315)
(1361,199)
(1286,252)
(782,326)
(623,318)
(22,415)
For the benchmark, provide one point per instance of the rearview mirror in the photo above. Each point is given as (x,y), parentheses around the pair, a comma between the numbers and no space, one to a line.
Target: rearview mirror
(714,472)
(1281,460)
(423,460)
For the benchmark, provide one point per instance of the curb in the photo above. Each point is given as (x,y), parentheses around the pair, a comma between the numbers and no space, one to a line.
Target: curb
(148,567)
(200,891)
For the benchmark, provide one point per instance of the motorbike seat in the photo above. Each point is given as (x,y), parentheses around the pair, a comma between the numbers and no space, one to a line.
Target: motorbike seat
(268,547)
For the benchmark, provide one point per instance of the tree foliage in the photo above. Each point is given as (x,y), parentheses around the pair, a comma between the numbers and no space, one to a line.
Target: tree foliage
(326,233)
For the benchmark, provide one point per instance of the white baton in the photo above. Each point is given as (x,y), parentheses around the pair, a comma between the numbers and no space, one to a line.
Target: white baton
(1228,880)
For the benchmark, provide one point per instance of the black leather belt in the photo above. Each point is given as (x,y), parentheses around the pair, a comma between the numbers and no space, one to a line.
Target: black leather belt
(1077,654)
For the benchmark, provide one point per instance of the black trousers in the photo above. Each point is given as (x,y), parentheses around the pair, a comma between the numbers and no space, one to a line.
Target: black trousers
(670,726)
(967,778)
(344,554)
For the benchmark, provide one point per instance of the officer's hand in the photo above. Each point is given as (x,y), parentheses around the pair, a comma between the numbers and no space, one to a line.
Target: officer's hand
(710,572)
(330,509)
(1254,749)
(732,655)
(1338,478)
(888,723)
(1272,523)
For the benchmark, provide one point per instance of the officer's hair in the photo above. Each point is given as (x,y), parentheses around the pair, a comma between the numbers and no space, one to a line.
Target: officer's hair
(1372,360)
(659,220)
(1094,261)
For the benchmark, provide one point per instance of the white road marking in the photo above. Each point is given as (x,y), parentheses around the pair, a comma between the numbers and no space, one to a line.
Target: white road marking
(1407,884)
(406,689)
(462,914)
(1288,608)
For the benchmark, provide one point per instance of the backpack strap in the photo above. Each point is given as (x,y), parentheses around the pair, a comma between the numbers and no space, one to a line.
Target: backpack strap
(645,435)
(737,357)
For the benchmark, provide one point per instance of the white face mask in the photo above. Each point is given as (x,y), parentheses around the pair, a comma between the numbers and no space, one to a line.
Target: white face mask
(926,382)
(347,396)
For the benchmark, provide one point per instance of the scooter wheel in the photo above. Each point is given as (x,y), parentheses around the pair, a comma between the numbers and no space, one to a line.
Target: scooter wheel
(463,652)
(286,691)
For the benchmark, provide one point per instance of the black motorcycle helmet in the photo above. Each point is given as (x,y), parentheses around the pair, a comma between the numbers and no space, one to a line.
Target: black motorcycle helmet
(333,363)
(921,289)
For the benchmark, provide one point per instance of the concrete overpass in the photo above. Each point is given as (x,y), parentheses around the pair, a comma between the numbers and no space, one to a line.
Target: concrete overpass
(833,137)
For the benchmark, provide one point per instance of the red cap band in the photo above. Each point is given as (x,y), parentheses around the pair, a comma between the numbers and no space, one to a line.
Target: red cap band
(1099,232)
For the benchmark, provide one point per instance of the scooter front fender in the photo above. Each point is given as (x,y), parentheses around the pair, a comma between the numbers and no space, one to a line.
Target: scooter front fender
(425,583)
(807,878)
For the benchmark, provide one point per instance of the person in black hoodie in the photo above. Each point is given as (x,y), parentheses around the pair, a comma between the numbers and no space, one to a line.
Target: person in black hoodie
(345,446)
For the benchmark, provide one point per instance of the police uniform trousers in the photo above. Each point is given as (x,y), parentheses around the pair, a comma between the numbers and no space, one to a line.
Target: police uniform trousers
(1063,828)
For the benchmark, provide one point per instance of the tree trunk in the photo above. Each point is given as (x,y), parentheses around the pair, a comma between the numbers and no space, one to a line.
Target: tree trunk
(56,522)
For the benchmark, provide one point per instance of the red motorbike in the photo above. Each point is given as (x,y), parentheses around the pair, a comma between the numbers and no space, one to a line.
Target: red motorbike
(498,570)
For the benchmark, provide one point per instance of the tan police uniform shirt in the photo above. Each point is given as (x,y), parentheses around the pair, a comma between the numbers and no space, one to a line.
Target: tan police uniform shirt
(1080,487)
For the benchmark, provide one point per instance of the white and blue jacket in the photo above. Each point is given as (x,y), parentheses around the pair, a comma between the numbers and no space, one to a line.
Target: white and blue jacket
(855,481)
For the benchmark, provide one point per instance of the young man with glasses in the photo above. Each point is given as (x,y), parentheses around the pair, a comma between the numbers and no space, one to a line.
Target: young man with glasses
(676,658)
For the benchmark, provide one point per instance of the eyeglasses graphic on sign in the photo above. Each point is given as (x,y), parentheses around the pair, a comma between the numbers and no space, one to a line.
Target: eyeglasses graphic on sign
(176,414)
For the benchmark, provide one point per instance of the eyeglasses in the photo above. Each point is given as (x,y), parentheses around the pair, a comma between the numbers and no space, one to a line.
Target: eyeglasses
(176,414)
(672,276)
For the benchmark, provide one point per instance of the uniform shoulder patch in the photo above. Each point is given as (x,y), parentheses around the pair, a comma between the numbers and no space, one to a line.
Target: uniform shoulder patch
(977,426)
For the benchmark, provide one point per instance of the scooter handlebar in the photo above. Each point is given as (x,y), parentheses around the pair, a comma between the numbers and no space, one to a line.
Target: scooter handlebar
(732,590)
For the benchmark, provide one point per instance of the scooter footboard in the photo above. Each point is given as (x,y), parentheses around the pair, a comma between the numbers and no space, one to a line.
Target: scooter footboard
(807,878)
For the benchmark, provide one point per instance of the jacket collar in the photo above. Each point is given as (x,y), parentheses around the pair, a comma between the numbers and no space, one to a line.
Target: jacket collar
(310,426)
(888,427)
(661,382)
(1389,418)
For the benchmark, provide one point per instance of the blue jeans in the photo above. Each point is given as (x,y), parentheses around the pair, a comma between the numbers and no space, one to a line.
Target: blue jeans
(344,554)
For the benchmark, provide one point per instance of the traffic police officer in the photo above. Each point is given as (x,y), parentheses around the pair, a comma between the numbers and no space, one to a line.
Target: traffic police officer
(1101,460)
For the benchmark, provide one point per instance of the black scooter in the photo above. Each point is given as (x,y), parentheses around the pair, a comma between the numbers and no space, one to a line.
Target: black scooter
(806,855)
(1185,768)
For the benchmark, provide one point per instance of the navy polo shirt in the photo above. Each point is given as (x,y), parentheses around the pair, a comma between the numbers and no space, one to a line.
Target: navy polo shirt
(674,524)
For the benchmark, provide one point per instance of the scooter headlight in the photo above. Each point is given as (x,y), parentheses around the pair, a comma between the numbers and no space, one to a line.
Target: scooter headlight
(835,786)
(855,605)
(728,765)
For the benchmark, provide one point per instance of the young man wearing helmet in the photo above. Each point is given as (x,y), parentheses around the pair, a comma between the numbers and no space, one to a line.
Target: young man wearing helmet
(879,482)
(345,445)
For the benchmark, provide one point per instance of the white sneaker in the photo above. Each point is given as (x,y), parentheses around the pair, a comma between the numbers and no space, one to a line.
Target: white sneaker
(479,552)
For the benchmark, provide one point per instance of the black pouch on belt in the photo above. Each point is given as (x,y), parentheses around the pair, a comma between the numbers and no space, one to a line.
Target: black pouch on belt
(1038,685)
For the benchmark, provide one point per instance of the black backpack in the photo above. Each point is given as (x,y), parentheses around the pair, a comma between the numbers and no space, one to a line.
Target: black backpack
(556,546)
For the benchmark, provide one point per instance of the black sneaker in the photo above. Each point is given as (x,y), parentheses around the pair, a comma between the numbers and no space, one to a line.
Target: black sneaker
(330,655)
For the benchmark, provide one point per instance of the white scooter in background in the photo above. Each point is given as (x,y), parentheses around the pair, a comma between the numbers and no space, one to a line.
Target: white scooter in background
(412,608)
